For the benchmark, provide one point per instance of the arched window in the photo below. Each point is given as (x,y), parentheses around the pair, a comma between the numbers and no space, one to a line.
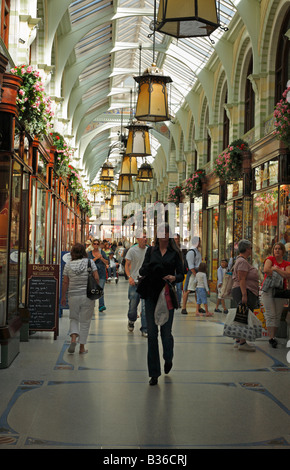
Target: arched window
(208,152)
(5,11)
(249,101)
(226,126)
(282,59)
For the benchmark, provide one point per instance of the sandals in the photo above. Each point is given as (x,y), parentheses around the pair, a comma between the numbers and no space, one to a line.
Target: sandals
(72,348)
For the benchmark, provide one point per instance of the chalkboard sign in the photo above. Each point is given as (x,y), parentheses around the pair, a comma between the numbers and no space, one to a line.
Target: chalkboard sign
(43,285)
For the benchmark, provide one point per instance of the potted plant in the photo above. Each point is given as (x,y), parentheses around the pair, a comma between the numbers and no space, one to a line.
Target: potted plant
(282,119)
(228,165)
(192,186)
(35,110)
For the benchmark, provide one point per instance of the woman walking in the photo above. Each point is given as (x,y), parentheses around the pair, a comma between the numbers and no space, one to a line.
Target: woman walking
(245,286)
(274,306)
(81,308)
(163,262)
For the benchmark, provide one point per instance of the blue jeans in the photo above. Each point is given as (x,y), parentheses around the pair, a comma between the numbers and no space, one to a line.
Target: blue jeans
(102,283)
(153,359)
(178,287)
(134,299)
(110,274)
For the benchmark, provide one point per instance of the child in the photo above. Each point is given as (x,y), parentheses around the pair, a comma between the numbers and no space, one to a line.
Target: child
(220,275)
(112,268)
(202,290)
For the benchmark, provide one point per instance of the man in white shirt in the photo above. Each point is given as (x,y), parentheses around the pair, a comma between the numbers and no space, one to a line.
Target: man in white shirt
(134,260)
(193,258)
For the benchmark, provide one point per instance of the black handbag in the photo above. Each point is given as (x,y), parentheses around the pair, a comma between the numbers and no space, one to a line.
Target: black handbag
(173,295)
(281,293)
(242,314)
(94,291)
(142,286)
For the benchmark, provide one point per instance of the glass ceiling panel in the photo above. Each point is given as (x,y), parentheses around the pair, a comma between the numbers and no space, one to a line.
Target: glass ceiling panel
(96,37)
(82,9)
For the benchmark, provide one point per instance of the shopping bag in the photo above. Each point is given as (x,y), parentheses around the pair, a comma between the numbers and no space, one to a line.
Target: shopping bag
(161,312)
(227,284)
(242,314)
(233,329)
(173,295)
(192,283)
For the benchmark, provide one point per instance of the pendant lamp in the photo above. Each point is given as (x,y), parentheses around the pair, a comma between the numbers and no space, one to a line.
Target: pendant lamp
(129,166)
(107,173)
(145,173)
(152,102)
(138,143)
(125,184)
(188,18)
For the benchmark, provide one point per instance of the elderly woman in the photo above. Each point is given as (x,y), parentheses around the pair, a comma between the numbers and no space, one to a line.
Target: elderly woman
(81,308)
(274,306)
(245,288)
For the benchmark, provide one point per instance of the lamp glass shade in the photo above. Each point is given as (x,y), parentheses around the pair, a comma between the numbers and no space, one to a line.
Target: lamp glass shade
(138,143)
(107,173)
(129,166)
(187,18)
(125,184)
(145,173)
(152,102)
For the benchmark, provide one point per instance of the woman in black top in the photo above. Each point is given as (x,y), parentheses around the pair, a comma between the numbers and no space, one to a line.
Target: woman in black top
(162,262)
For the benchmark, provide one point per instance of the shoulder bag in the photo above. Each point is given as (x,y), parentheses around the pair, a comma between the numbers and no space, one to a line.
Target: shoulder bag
(94,291)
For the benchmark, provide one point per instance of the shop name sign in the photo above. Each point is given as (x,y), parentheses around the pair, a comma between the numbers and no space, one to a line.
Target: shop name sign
(41,268)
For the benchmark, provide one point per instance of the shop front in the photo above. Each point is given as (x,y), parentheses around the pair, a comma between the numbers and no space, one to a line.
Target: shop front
(271,205)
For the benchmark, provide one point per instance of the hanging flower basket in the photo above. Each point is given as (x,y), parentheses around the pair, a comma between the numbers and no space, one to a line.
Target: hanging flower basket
(176,195)
(35,111)
(64,154)
(74,181)
(192,186)
(282,119)
(228,165)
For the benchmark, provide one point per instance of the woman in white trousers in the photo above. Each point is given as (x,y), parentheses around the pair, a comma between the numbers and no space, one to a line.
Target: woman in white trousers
(81,308)
(274,306)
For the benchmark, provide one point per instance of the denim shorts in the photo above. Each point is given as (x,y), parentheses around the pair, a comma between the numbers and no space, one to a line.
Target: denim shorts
(201,297)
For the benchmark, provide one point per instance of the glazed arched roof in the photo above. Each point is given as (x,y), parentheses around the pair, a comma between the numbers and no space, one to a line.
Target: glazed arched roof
(98,53)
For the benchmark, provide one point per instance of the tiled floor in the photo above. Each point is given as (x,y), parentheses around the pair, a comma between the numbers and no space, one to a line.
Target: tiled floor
(214,397)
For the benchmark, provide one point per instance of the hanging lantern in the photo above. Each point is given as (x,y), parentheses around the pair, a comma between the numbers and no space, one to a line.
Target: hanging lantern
(129,166)
(138,143)
(108,202)
(152,103)
(125,184)
(107,173)
(188,18)
(145,173)
(114,201)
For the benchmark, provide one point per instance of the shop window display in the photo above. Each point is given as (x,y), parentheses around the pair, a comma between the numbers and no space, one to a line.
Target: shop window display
(265,221)
(14,240)
(284,219)
(40,225)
